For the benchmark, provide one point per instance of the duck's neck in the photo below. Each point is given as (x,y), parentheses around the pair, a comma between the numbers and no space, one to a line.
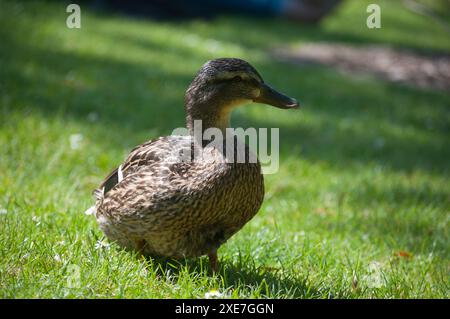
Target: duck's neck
(199,118)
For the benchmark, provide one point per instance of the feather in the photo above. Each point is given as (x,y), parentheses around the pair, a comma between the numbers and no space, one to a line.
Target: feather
(110,181)
(90,211)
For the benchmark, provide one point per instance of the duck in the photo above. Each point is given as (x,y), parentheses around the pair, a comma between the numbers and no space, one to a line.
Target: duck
(163,201)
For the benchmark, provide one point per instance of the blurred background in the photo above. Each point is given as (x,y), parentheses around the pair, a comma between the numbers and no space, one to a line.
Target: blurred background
(364,164)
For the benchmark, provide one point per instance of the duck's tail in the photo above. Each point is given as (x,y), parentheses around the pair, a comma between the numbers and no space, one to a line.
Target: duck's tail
(98,194)
(114,178)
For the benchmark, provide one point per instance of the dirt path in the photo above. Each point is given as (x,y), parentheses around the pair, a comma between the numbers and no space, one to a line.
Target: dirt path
(424,71)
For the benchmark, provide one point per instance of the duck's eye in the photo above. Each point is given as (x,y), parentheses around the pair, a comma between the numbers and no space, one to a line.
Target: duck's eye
(237,78)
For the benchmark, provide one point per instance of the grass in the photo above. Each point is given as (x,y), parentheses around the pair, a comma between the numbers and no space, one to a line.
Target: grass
(359,209)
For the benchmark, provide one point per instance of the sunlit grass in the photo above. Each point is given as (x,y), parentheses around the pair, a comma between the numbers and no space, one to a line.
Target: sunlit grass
(360,207)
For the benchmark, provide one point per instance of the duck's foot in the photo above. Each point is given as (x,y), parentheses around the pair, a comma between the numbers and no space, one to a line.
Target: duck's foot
(213,261)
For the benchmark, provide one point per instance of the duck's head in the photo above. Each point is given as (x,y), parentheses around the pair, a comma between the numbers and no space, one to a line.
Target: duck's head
(221,85)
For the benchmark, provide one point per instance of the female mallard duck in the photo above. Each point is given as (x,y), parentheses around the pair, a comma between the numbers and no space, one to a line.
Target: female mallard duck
(164,207)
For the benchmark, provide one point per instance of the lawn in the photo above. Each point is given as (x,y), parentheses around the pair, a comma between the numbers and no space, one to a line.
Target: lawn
(359,208)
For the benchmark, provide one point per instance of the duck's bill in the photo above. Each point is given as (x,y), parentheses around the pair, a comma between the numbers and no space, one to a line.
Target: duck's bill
(269,95)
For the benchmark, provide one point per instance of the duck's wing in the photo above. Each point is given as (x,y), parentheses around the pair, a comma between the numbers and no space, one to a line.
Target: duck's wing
(142,156)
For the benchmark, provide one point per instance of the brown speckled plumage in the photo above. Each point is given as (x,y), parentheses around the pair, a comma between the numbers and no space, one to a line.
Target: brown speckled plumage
(163,207)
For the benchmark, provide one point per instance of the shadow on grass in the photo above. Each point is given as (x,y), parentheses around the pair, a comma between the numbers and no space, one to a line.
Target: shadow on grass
(268,282)
(256,32)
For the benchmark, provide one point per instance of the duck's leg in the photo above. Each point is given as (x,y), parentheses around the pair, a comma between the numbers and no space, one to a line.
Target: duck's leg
(140,246)
(213,260)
